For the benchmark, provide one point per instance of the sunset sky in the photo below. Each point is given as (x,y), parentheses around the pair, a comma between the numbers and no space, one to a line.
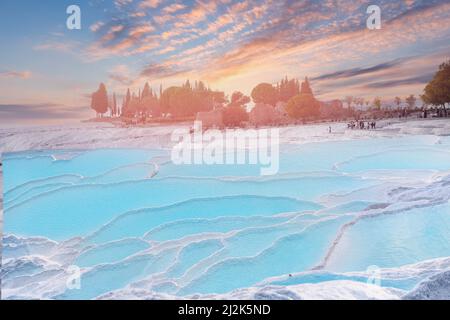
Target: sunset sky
(47,72)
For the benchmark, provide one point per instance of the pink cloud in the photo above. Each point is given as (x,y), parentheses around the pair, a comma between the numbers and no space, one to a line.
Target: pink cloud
(96,26)
(121,3)
(141,30)
(175,7)
(166,50)
(196,15)
(16,74)
(150,3)
(238,7)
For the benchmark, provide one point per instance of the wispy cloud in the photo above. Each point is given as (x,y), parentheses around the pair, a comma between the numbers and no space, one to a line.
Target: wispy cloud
(96,26)
(175,7)
(122,3)
(16,74)
(349,73)
(155,70)
(62,46)
(121,74)
(150,3)
(422,80)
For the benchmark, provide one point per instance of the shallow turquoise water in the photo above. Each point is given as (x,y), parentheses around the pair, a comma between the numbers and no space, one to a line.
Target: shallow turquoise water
(130,217)
(397,239)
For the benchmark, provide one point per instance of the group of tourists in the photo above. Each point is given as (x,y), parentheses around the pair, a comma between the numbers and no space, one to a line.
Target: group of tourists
(362,125)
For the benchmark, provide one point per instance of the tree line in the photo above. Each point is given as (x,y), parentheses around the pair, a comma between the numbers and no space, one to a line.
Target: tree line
(188,99)
(296,98)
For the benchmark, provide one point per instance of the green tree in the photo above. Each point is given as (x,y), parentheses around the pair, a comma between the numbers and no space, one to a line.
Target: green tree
(165,99)
(218,99)
(114,105)
(303,107)
(305,88)
(147,91)
(377,103)
(179,101)
(99,101)
(411,101)
(150,106)
(239,99)
(234,115)
(287,89)
(437,92)
(127,98)
(264,93)
(187,101)
(132,108)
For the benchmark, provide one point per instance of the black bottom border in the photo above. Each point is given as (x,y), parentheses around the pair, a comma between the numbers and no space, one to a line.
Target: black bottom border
(226,309)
